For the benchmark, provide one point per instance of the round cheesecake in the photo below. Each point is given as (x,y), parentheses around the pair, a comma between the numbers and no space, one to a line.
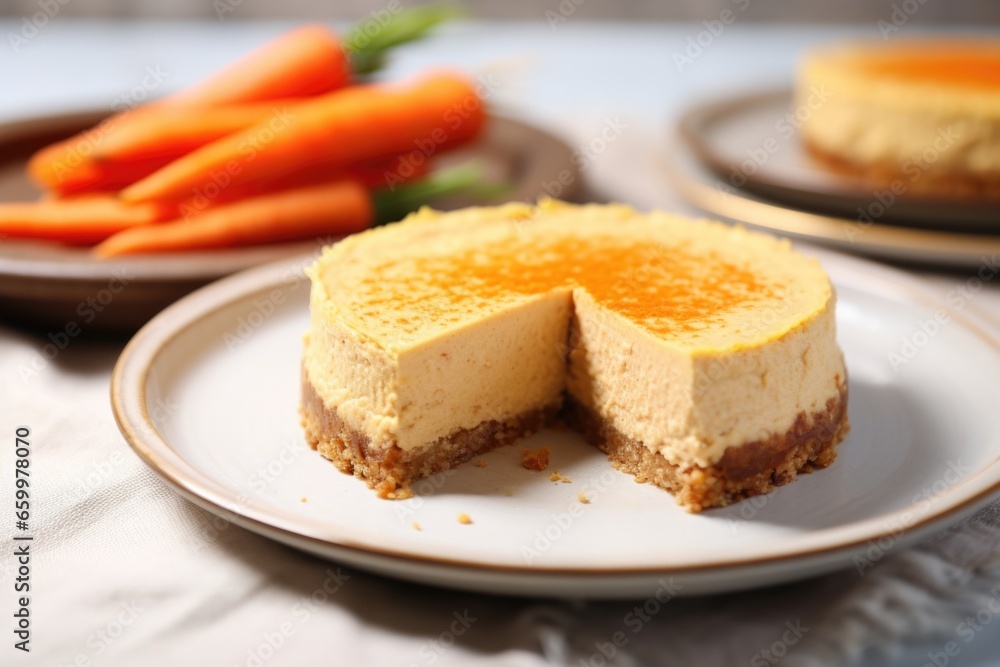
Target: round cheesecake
(923,113)
(701,357)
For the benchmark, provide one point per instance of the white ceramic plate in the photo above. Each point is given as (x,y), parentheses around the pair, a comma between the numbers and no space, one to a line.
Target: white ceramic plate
(207,395)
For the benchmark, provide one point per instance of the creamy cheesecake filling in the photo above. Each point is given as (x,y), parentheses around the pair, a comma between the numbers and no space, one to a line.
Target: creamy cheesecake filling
(473,372)
(463,329)
(691,409)
(919,143)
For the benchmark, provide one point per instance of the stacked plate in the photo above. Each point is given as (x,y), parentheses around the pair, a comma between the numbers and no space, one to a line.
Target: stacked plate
(742,159)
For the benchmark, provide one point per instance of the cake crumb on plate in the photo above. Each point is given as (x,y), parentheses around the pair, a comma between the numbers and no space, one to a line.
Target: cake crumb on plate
(535,459)
(464,518)
(416,526)
(390,491)
(582,497)
(556,476)
(480,463)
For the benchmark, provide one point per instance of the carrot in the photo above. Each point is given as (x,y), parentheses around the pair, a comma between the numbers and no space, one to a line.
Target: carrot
(64,173)
(164,132)
(384,172)
(388,170)
(82,220)
(334,208)
(304,62)
(340,128)
(139,145)
(299,64)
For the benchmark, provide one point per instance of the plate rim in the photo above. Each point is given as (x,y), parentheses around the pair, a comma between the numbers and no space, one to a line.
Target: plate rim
(128,402)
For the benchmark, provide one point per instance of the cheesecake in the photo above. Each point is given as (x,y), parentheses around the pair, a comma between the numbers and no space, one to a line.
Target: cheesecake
(921,115)
(700,357)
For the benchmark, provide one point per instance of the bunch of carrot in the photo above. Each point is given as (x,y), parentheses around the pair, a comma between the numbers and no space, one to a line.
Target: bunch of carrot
(284,144)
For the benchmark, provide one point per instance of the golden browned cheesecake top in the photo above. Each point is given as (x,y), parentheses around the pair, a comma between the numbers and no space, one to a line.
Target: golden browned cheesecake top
(678,280)
(675,291)
(945,63)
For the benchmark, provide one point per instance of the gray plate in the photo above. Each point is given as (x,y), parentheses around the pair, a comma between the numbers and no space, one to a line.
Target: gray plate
(702,187)
(751,142)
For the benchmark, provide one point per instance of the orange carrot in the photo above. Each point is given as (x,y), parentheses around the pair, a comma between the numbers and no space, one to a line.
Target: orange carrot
(137,145)
(384,172)
(62,171)
(304,62)
(82,220)
(166,132)
(340,128)
(388,171)
(334,208)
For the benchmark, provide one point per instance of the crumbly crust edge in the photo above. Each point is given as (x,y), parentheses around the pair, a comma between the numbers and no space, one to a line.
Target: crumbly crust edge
(746,470)
(950,185)
(391,470)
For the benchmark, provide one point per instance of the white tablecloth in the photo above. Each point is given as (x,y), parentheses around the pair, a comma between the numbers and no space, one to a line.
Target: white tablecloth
(124,572)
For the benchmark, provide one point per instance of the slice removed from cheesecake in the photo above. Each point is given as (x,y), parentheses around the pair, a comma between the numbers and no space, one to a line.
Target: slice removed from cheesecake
(700,357)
